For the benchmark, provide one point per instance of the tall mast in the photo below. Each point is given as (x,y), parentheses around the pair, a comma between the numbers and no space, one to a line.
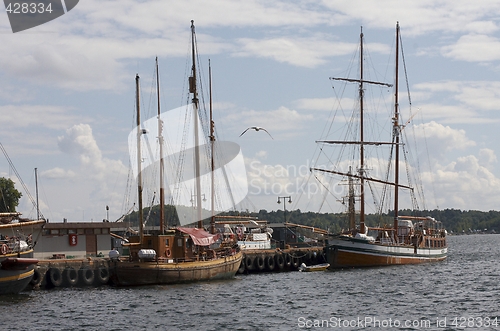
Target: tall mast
(139,159)
(36,187)
(396,132)
(361,171)
(351,203)
(361,129)
(192,89)
(160,141)
(212,151)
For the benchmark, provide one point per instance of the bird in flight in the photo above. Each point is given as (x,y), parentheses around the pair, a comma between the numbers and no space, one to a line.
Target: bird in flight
(256,128)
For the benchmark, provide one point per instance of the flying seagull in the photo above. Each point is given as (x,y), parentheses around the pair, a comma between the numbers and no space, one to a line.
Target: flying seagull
(256,128)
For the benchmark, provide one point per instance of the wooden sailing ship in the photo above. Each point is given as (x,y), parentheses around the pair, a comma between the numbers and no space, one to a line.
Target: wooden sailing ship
(181,254)
(410,239)
(17,265)
(16,255)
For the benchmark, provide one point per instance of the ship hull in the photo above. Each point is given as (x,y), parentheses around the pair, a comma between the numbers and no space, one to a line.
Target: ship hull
(126,273)
(353,253)
(16,272)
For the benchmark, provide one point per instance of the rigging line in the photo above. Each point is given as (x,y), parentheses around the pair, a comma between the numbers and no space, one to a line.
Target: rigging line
(327,191)
(412,194)
(150,208)
(419,181)
(385,187)
(19,178)
(405,70)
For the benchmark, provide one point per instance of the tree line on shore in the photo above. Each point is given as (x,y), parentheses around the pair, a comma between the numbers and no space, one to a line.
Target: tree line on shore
(453,220)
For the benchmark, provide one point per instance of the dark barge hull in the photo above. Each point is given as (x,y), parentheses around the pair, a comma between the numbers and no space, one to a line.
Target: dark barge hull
(16,272)
(126,273)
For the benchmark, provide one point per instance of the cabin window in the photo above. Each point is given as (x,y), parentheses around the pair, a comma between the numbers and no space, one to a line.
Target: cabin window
(179,242)
(63,231)
(89,231)
(166,242)
(71,231)
(105,231)
(80,231)
(54,231)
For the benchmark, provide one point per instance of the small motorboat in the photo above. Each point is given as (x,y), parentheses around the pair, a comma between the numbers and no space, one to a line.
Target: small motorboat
(316,267)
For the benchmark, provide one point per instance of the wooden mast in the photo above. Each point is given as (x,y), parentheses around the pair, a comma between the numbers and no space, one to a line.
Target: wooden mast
(361,171)
(212,151)
(36,191)
(361,147)
(160,142)
(192,89)
(139,159)
(396,132)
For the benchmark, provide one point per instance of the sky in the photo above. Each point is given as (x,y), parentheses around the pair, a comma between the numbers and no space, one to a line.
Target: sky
(67,96)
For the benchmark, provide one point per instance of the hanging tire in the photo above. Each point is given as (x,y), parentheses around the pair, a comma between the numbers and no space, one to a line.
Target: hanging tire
(55,277)
(314,257)
(71,276)
(308,257)
(102,274)
(270,264)
(259,262)
(295,262)
(248,262)
(280,261)
(288,260)
(37,278)
(87,276)
(241,269)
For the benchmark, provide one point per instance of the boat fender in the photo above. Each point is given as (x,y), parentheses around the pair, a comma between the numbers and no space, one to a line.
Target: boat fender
(102,275)
(280,261)
(295,262)
(270,262)
(55,277)
(71,276)
(87,275)
(168,252)
(239,232)
(288,259)
(309,256)
(248,262)
(241,269)
(37,278)
(259,262)
(5,249)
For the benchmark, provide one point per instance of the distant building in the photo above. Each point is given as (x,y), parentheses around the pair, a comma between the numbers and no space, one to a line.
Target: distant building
(77,240)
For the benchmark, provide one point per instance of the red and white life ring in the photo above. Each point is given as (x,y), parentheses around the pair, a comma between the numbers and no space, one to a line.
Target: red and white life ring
(168,253)
(239,232)
(5,249)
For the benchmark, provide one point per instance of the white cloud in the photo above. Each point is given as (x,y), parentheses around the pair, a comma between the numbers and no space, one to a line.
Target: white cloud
(442,139)
(474,48)
(466,184)
(79,140)
(58,173)
(24,115)
(308,52)
(459,101)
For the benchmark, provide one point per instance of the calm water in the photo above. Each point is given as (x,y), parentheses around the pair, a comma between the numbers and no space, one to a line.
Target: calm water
(465,290)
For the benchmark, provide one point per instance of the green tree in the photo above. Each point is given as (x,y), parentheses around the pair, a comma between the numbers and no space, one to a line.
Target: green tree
(9,196)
